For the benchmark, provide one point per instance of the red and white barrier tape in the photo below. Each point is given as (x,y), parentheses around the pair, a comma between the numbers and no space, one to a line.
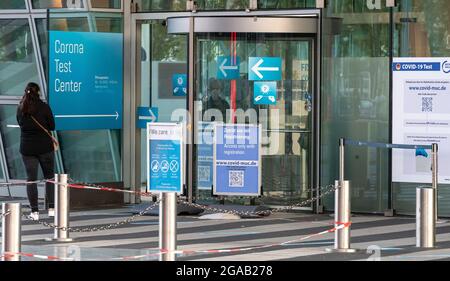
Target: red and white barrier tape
(42,257)
(80,186)
(338,226)
(187,252)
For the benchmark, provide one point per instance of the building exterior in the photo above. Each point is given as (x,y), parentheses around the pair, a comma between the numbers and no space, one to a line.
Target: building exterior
(336,83)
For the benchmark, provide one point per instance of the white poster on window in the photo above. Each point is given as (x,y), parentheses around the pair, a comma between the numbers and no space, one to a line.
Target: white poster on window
(421,116)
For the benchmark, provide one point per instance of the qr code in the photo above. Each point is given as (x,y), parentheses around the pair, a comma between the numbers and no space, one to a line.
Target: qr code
(427,104)
(236,178)
(204,173)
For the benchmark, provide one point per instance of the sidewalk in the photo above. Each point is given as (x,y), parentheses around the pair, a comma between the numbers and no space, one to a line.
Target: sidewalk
(379,238)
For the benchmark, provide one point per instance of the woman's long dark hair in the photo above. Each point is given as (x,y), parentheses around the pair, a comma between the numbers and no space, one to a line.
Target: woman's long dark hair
(30,99)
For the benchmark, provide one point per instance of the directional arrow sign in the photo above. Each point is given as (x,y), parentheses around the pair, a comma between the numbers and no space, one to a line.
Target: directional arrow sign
(146,115)
(264,68)
(228,68)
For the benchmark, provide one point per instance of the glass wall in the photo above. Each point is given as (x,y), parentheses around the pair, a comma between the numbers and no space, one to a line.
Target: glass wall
(12,4)
(355,99)
(421,30)
(162,57)
(17,57)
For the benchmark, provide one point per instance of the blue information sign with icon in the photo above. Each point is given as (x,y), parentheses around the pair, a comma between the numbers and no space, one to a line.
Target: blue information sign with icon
(146,115)
(228,68)
(86,80)
(179,85)
(264,68)
(265,93)
(237,158)
(164,157)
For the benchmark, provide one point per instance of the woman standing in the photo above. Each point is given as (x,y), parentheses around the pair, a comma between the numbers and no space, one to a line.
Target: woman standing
(35,119)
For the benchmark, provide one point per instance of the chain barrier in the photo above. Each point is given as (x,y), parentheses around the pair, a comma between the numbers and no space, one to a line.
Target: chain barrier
(96,228)
(328,189)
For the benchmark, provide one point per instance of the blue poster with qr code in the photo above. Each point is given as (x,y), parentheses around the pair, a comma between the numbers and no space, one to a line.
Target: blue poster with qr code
(237,160)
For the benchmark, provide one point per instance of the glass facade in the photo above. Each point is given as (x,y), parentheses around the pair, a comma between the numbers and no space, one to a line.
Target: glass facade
(421,30)
(355,100)
(358,39)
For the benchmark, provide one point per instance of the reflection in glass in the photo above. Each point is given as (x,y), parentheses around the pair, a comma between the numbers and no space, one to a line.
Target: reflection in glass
(11,141)
(17,59)
(92,156)
(107,4)
(45,4)
(12,4)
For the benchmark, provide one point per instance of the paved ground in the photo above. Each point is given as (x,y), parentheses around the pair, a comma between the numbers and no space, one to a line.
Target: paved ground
(379,238)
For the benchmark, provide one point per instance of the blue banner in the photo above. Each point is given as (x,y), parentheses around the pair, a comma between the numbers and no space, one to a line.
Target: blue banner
(416,66)
(86,80)
(164,158)
(237,160)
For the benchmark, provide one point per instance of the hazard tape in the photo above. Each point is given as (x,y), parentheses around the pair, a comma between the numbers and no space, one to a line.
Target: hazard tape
(29,255)
(79,186)
(338,226)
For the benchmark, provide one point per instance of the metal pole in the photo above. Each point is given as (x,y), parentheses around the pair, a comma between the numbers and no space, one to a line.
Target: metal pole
(62,207)
(434,172)
(342,215)
(341,160)
(168,225)
(11,231)
(425,217)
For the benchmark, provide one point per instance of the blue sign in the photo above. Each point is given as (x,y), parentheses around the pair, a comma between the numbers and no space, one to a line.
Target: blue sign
(228,67)
(416,66)
(237,160)
(265,93)
(86,80)
(146,115)
(164,157)
(179,85)
(205,155)
(264,68)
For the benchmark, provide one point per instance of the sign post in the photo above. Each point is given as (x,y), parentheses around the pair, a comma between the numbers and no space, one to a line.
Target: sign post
(165,176)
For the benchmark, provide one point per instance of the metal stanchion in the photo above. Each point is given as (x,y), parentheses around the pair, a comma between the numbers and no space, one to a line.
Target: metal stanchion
(168,226)
(425,217)
(342,215)
(62,207)
(11,231)
(434,175)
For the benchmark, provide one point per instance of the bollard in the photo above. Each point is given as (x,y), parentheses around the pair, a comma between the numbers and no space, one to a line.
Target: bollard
(62,207)
(11,231)
(168,225)
(342,214)
(425,217)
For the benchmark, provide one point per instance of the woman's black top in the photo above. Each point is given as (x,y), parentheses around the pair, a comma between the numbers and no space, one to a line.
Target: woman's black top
(33,139)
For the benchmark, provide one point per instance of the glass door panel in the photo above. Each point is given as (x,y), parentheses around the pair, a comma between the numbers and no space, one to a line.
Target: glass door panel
(228,95)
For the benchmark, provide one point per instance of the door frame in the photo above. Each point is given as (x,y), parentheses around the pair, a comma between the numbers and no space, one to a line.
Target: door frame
(132,94)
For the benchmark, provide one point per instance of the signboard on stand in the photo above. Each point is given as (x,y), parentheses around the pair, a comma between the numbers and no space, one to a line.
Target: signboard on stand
(237,160)
(165,157)
(421,116)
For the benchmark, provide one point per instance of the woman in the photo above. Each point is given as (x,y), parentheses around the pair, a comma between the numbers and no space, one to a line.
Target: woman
(35,119)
